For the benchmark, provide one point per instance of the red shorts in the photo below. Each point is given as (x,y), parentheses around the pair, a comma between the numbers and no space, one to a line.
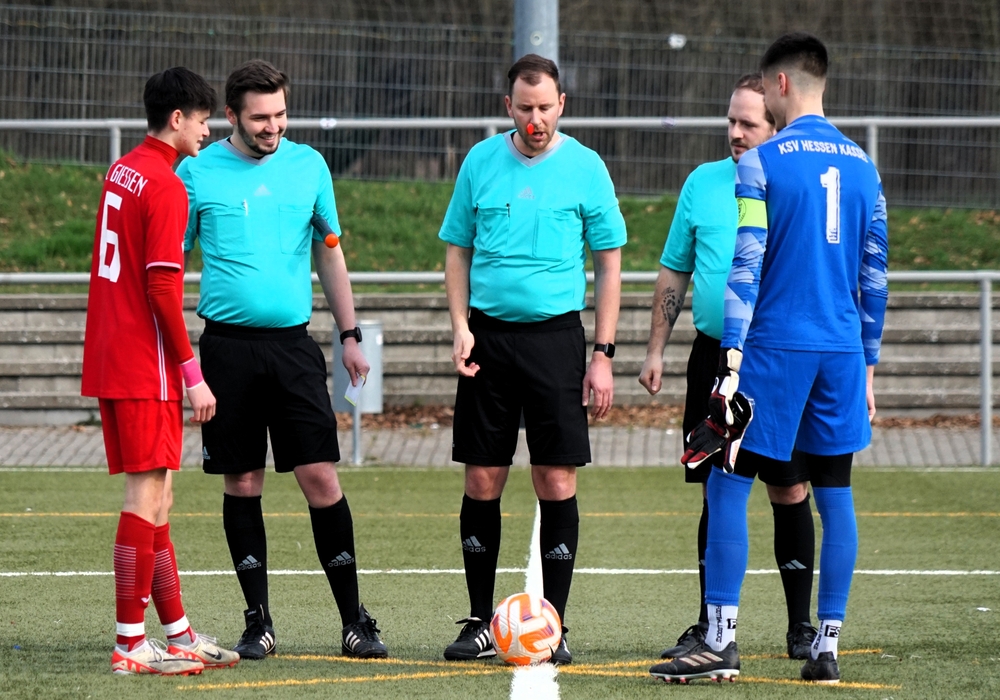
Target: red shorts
(142,434)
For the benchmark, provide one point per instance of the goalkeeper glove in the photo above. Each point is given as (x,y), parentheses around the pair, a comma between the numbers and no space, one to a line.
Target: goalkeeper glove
(711,435)
(727,381)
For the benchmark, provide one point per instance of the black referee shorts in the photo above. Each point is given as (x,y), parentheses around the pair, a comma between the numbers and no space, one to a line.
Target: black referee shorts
(265,380)
(537,368)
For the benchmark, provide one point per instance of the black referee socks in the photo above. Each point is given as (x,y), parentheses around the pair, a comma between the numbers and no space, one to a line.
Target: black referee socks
(702,546)
(795,554)
(558,533)
(479,528)
(333,532)
(243,521)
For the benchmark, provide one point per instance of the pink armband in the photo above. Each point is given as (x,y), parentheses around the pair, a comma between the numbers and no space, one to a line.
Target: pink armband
(191,371)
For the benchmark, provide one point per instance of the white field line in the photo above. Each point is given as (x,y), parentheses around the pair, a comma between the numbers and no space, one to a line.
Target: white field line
(438,572)
(535,682)
(533,574)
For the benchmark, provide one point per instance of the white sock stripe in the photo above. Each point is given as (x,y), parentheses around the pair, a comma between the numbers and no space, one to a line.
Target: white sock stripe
(131,629)
(175,628)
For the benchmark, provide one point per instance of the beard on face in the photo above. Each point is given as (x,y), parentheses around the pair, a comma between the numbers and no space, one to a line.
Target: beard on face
(251,141)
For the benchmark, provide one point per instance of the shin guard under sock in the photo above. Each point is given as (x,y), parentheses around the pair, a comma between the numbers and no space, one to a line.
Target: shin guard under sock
(728,540)
(795,554)
(243,520)
(333,532)
(838,552)
(558,535)
(167,589)
(479,528)
(133,566)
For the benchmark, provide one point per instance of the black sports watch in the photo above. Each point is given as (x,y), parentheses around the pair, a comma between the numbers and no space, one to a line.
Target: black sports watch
(607,348)
(353,333)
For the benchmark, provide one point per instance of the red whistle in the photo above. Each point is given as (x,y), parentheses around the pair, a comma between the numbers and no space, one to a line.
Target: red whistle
(331,240)
(530,129)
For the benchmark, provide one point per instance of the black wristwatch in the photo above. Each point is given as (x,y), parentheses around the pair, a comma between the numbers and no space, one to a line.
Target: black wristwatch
(353,333)
(607,348)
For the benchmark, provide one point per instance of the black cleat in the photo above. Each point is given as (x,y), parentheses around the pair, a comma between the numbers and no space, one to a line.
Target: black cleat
(822,669)
(360,639)
(258,638)
(800,638)
(473,641)
(701,662)
(561,656)
(692,637)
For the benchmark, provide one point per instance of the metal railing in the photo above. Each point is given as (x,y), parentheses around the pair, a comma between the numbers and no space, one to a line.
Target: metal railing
(984,278)
(491,125)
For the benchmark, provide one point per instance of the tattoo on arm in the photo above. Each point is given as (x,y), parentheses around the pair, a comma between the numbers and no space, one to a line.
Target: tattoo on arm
(671,305)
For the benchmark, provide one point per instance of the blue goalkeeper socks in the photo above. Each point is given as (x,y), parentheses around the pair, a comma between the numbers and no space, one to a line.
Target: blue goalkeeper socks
(728,540)
(839,551)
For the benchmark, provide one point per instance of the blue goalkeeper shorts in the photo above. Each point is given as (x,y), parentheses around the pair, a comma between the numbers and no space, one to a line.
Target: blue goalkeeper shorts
(810,401)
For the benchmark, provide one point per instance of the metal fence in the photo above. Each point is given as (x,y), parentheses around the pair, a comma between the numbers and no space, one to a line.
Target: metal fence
(119,130)
(58,63)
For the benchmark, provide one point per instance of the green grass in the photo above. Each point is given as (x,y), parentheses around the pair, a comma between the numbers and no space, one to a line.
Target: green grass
(47,217)
(906,636)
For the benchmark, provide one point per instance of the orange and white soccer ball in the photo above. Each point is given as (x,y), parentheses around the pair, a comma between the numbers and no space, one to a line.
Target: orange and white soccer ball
(525,629)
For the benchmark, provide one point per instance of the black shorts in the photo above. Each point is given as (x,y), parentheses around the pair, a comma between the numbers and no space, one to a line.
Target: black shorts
(703,363)
(265,380)
(774,472)
(537,368)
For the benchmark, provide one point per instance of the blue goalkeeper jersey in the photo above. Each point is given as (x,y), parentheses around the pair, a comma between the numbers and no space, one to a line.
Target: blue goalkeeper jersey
(809,270)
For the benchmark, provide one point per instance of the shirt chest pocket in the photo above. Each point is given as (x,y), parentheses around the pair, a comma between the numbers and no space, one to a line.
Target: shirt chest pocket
(492,229)
(558,234)
(294,228)
(224,232)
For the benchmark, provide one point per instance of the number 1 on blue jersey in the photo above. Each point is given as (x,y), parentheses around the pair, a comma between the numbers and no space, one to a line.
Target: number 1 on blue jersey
(831,183)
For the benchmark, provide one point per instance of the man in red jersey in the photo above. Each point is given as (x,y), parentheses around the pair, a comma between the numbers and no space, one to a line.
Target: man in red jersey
(136,351)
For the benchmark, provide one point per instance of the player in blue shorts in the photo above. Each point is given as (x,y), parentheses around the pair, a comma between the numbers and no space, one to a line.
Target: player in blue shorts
(805,304)
(700,248)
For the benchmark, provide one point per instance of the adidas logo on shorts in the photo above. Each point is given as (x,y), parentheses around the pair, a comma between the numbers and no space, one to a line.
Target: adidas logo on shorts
(249,563)
(342,559)
(560,552)
(471,544)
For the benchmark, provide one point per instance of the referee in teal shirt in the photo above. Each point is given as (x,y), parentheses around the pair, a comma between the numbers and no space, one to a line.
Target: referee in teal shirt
(700,246)
(260,205)
(526,205)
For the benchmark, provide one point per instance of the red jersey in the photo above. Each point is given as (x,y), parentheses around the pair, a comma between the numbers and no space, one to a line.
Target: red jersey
(140,224)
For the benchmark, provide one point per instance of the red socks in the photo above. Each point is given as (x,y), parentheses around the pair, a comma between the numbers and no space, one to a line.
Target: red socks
(133,564)
(167,590)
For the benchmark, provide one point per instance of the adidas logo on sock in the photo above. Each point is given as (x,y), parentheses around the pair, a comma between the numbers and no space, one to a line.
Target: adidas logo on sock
(793,565)
(342,559)
(526,193)
(560,552)
(249,563)
(471,544)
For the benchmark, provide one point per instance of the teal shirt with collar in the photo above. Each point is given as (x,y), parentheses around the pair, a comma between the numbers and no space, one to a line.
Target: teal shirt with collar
(702,239)
(527,221)
(253,218)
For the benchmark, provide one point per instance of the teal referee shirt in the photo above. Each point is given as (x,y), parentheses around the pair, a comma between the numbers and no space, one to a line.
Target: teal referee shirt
(702,239)
(527,221)
(253,216)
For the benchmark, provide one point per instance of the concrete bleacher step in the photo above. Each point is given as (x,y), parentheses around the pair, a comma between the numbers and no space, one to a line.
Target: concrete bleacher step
(930,352)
